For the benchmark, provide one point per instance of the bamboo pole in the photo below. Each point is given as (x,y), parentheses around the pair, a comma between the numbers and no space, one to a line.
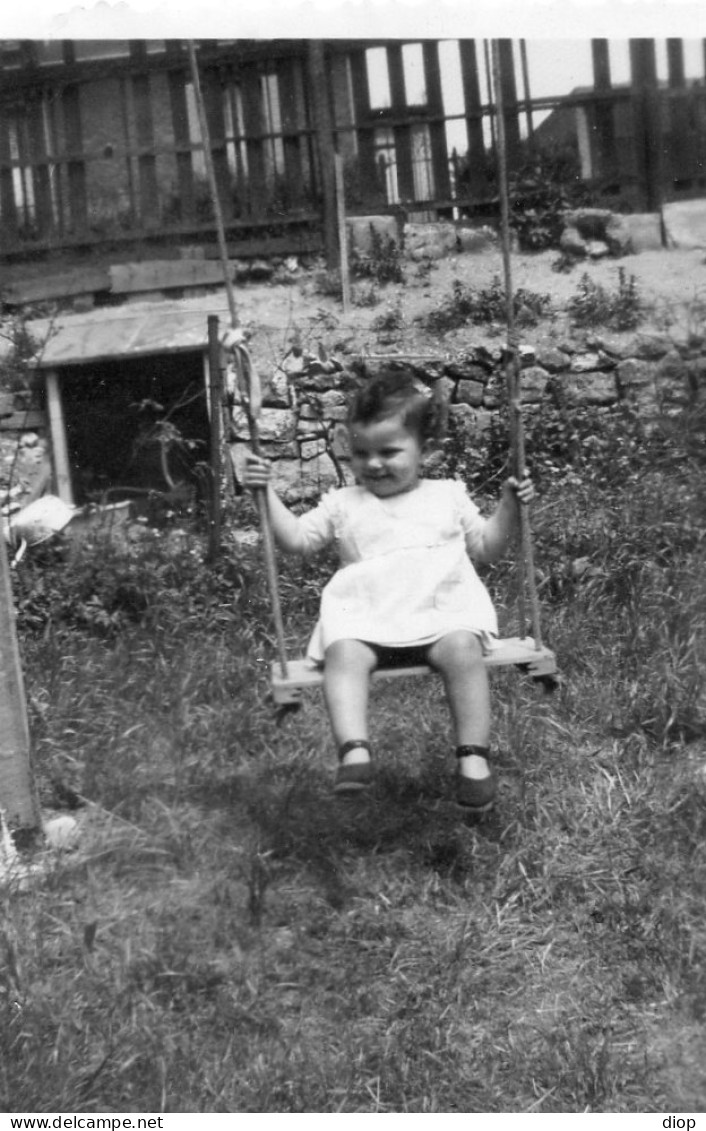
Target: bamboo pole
(213,185)
(342,234)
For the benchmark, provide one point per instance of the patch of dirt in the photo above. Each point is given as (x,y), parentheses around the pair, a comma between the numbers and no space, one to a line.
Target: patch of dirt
(671,284)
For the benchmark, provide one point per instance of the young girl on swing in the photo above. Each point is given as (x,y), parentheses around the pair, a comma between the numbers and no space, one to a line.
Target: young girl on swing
(406,591)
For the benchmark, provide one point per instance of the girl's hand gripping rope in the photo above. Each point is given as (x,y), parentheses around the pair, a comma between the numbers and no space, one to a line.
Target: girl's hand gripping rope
(522,489)
(257,472)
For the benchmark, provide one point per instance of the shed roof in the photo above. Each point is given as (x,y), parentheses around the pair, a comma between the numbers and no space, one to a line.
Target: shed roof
(133,330)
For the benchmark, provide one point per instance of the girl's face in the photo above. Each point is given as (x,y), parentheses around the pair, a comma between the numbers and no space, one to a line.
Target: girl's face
(385,456)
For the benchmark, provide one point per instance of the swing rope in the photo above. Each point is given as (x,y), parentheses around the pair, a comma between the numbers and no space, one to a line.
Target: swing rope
(233,342)
(525,564)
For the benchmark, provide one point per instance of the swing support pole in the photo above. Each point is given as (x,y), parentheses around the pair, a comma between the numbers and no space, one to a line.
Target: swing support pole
(247,381)
(517,440)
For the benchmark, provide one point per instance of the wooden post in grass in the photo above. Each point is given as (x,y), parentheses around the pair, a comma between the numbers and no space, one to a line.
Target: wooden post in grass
(18,799)
(342,234)
(323,134)
(215,398)
(647,121)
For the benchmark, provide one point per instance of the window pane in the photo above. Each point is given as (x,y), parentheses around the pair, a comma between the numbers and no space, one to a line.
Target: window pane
(414,82)
(378,78)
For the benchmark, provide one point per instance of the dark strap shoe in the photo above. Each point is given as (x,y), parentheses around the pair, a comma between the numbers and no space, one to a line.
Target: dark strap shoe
(475,795)
(356,775)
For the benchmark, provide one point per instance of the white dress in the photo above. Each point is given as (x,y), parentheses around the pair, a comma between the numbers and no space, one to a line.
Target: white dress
(406,577)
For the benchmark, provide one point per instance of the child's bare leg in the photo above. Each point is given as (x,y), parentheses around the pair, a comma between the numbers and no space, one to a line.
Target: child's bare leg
(347,668)
(458,657)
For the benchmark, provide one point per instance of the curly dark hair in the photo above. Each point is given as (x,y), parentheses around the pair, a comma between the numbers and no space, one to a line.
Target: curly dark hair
(396,392)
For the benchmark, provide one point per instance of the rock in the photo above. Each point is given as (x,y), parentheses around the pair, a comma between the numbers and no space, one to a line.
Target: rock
(471,422)
(493,395)
(466,371)
(276,424)
(552,359)
(685,224)
(293,479)
(578,567)
(427,251)
(590,388)
(340,442)
(339,413)
(312,449)
(652,347)
(331,398)
(489,356)
(672,380)
(534,384)
(435,240)
(571,243)
(614,345)
(632,375)
(476,239)
(294,363)
(296,481)
(319,382)
(433,463)
(470,393)
(310,428)
(696,377)
(617,236)
(246,538)
(445,388)
(309,412)
(468,419)
(585,363)
(597,249)
(645,230)
(590,223)
(260,270)
(275,390)
(673,368)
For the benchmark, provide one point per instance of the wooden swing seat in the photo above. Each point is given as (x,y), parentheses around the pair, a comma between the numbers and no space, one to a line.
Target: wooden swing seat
(302,674)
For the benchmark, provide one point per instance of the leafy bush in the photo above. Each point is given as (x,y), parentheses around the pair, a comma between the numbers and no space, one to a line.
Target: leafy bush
(383,263)
(485,305)
(103,587)
(15,371)
(546,186)
(366,296)
(390,321)
(593,305)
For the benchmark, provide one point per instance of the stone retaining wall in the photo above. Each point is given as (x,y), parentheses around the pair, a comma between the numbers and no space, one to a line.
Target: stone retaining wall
(303,420)
(302,424)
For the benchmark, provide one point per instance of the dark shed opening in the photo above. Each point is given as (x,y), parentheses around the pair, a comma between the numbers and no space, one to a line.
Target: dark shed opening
(137,427)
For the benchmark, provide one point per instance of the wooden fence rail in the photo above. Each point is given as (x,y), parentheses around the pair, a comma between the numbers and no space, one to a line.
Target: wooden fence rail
(109,150)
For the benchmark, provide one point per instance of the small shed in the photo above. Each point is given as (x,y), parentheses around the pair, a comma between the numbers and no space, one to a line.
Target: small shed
(110,375)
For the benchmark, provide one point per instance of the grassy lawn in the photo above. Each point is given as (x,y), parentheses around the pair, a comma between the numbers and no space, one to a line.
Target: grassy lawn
(228,937)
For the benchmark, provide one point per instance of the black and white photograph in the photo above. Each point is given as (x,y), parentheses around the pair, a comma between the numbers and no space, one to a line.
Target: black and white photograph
(352,562)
